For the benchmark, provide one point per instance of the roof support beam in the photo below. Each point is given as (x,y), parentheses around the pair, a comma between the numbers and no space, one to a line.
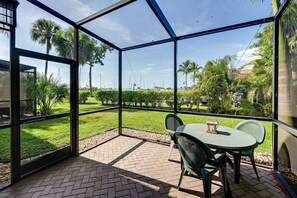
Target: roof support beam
(70,22)
(105,11)
(159,14)
(98,37)
(227,28)
(51,11)
(282,8)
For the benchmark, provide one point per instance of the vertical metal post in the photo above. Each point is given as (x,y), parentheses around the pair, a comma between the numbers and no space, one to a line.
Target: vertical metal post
(175,78)
(74,96)
(15,111)
(35,101)
(120,91)
(275,92)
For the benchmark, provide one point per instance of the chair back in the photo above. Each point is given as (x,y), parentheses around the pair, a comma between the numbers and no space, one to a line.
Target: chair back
(195,154)
(172,122)
(254,128)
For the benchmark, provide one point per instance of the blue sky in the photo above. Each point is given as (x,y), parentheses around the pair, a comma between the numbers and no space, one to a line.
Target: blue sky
(136,24)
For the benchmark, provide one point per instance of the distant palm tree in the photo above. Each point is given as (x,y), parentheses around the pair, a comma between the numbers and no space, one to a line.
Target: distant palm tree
(185,68)
(43,31)
(195,69)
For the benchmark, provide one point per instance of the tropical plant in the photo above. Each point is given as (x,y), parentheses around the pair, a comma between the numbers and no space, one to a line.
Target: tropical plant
(47,91)
(89,51)
(44,31)
(260,80)
(218,83)
(195,69)
(185,68)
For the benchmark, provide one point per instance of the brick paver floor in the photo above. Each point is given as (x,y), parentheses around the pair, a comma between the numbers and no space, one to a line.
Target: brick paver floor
(129,167)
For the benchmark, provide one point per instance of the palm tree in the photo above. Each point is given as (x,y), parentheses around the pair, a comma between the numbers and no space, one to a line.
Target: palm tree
(89,52)
(185,68)
(218,83)
(43,31)
(195,69)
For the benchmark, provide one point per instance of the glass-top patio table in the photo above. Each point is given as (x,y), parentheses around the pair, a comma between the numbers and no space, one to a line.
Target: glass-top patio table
(227,139)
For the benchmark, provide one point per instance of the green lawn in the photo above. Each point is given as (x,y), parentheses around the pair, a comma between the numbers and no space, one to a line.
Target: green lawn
(44,136)
(154,121)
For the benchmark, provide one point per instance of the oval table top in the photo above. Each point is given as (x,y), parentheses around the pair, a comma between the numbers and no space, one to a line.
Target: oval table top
(228,139)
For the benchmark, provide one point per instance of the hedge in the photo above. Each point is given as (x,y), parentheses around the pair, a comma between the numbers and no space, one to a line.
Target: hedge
(149,98)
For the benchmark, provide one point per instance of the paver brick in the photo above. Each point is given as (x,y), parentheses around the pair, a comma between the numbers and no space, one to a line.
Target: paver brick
(129,167)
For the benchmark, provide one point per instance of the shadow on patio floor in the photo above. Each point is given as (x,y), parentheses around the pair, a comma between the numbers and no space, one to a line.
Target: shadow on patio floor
(129,167)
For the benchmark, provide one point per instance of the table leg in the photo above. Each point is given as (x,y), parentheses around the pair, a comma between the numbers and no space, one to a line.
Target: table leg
(229,161)
(237,159)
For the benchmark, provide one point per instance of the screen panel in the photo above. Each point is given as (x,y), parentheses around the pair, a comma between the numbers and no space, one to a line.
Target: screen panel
(209,14)
(96,128)
(98,76)
(5,157)
(40,94)
(227,72)
(43,137)
(37,30)
(287,87)
(145,125)
(77,10)
(286,156)
(287,80)
(148,77)
(4,79)
(131,25)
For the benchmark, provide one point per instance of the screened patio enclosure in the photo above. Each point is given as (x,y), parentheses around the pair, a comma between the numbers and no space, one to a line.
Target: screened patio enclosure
(155,37)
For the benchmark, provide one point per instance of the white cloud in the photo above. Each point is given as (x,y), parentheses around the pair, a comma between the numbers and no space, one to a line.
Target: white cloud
(247,55)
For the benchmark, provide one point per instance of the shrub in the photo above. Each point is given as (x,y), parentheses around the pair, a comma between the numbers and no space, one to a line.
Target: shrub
(107,96)
(47,91)
(83,96)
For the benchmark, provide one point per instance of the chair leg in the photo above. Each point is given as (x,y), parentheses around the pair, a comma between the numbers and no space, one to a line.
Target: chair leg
(181,177)
(171,148)
(207,185)
(254,165)
(237,159)
(226,186)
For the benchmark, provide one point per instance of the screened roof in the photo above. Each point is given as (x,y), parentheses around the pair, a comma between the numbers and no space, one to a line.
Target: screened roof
(127,23)
(76,6)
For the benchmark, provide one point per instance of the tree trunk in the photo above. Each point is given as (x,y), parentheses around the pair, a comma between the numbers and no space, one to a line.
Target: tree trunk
(186,81)
(194,79)
(90,80)
(46,62)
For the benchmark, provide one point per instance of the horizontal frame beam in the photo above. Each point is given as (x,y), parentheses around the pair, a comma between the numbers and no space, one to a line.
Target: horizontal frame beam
(147,44)
(149,109)
(227,28)
(43,118)
(105,11)
(5,126)
(161,17)
(37,55)
(99,110)
(225,115)
(286,127)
